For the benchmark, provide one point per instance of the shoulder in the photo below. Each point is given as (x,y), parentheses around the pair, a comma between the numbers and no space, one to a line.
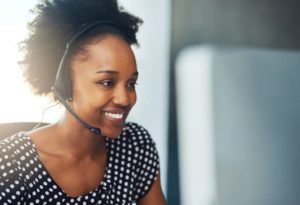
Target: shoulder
(15,150)
(15,142)
(12,155)
(10,149)
(144,156)
(136,134)
(134,139)
(9,145)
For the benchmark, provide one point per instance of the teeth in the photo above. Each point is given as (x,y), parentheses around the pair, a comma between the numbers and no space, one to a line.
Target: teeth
(114,115)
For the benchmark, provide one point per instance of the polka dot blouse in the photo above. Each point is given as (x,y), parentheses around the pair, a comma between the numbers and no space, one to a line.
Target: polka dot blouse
(132,167)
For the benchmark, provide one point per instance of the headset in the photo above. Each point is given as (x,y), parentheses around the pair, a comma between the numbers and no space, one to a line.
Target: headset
(62,87)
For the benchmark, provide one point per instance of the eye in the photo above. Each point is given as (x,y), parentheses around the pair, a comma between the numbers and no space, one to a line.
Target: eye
(132,84)
(106,83)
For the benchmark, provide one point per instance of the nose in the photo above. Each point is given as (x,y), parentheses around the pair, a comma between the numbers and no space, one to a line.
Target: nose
(121,97)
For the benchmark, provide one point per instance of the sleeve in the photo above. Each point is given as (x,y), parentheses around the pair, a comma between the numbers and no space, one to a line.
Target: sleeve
(148,163)
(10,185)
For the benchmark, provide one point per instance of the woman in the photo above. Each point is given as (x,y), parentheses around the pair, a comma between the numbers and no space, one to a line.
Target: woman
(80,50)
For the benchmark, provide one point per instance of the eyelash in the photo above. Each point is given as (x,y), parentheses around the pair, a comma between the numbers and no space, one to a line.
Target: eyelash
(110,83)
(133,83)
(105,82)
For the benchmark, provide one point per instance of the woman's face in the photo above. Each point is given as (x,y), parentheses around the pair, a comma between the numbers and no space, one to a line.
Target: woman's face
(103,80)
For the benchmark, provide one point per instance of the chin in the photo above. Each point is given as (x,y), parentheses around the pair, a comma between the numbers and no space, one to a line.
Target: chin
(112,133)
(111,129)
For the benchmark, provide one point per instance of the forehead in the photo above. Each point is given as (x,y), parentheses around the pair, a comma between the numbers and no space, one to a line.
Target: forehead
(109,51)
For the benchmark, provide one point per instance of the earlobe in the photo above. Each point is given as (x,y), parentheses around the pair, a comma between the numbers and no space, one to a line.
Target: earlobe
(70,99)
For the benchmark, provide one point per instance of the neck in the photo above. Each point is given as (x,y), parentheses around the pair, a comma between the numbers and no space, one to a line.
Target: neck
(76,140)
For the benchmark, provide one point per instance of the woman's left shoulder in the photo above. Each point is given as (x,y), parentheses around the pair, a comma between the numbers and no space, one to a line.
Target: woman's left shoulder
(137,134)
(144,156)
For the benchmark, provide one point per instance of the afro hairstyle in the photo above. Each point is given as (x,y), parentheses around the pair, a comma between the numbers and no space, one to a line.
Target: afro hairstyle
(50,30)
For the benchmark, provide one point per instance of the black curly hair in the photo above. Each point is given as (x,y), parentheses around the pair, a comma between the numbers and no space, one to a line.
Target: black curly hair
(50,30)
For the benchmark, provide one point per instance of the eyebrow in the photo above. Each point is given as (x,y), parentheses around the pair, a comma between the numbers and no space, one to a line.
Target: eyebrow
(114,72)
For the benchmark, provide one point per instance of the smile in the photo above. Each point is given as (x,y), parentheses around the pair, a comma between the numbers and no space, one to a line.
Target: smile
(114,115)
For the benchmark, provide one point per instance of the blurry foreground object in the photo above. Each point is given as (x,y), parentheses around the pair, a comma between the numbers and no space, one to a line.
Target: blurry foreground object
(238,125)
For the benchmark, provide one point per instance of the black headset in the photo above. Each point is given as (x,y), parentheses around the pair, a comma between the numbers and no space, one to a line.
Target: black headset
(62,87)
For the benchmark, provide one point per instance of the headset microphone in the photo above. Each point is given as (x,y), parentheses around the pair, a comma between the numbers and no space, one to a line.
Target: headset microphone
(62,87)
(94,130)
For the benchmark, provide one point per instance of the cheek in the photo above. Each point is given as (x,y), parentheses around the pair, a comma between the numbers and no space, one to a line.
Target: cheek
(90,97)
(133,98)
(98,98)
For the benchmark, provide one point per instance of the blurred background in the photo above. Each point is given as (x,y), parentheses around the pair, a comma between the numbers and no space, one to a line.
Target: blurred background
(218,91)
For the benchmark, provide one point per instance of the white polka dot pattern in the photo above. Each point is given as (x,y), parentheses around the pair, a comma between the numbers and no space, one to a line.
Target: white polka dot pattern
(132,167)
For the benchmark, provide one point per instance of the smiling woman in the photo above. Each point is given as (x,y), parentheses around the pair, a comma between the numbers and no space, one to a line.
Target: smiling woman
(79,53)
